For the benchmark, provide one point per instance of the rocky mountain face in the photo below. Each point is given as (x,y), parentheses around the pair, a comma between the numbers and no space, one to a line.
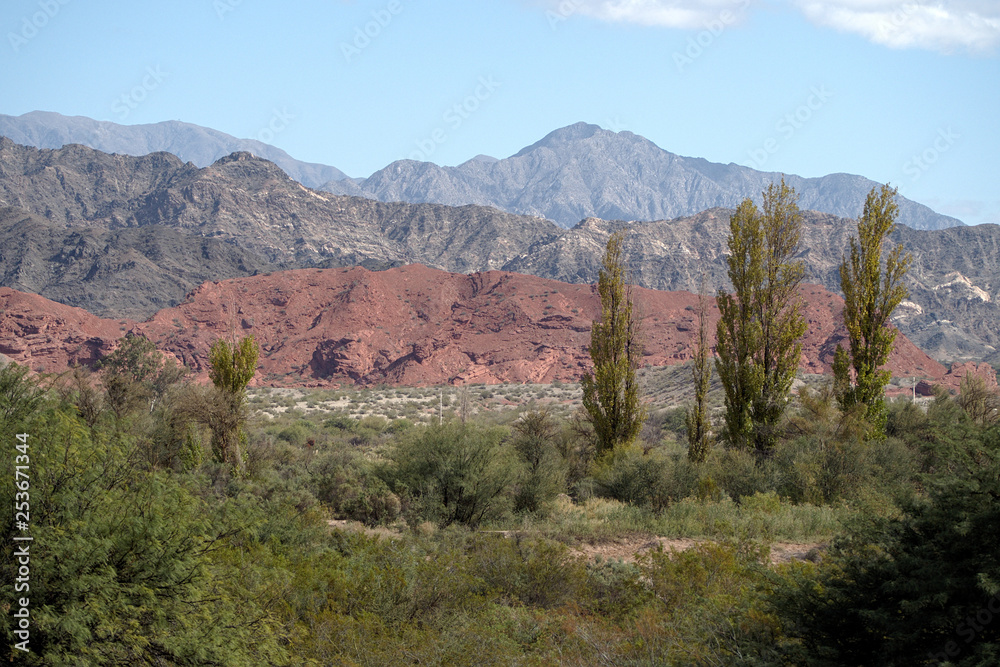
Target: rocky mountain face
(124,272)
(584,171)
(189,142)
(409,325)
(126,236)
(242,213)
(572,173)
(954,307)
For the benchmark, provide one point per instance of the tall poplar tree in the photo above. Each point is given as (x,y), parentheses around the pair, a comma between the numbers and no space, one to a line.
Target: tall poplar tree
(232,367)
(611,394)
(871,293)
(758,339)
(696,419)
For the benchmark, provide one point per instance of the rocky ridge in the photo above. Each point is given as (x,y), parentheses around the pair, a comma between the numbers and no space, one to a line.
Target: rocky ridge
(126,236)
(584,171)
(573,172)
(191,143)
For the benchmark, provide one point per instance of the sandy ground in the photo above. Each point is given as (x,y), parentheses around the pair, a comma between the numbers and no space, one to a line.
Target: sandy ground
(627,549)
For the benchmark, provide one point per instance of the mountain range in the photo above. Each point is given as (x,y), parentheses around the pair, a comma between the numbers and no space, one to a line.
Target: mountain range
(584,171)
(572,173)
(189,142)
(127,236)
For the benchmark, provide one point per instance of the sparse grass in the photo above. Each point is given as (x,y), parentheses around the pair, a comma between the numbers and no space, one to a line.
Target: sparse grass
(764,518)
(420,404)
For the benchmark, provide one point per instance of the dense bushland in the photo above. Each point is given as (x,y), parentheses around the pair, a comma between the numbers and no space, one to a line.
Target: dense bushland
(150,548)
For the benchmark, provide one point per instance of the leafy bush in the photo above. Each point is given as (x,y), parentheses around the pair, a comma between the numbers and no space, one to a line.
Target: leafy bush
(544,475)
(631,476)
(920,589)
(453,472)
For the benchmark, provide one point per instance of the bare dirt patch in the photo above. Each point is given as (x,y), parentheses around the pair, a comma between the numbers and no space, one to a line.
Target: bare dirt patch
(629,549)
(625,549)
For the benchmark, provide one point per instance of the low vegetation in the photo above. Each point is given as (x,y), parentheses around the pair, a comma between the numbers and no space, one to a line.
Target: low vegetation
(494,539)
(179,524)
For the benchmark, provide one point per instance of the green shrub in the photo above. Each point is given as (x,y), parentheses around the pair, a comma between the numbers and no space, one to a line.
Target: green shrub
(453,472)
(544,470)
(297,433)
(530,571)
(631,476)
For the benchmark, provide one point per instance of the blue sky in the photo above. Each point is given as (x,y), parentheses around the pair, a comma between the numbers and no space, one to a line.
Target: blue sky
(900,91)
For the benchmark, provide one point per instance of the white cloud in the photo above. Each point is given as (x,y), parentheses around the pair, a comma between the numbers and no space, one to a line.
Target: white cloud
(940,25)
(685,14)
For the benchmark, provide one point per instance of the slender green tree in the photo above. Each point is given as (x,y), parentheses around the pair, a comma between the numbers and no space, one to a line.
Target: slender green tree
(136,375)
(758,339)
(871,292)
(232,367)
(698,425)
(611,395)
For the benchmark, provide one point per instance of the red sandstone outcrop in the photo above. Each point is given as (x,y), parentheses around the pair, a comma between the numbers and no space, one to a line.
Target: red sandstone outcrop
(50,336)
(411,325)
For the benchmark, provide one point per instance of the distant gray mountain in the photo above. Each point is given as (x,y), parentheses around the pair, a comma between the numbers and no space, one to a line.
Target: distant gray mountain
(584,171)
(125,236)
(191,143)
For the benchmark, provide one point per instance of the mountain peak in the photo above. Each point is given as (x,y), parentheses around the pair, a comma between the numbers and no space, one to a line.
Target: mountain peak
(563,135)
(486,159)
(236,156)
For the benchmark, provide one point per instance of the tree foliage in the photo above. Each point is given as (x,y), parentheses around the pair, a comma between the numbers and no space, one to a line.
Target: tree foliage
(696,419)
(871,292)
(979,401)
(455,473)
(122,562)
(232,365)
(136,375)
(611,394)
(20,396)
(920,589)
(544,470)
(758,338)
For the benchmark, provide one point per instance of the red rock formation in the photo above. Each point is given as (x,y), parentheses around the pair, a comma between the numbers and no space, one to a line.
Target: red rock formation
(49,336)
(408,326)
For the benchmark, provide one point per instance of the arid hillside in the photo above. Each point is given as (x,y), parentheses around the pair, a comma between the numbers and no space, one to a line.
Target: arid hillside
(410,325)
